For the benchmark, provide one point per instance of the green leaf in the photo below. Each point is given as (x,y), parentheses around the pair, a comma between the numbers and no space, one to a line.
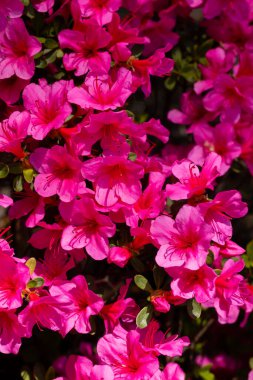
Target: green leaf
(205,374)
(25,375)
(142,283)
(248,257)
(144,316)
(25,2)
(137,264)
(251,363)
(38,372)
(132,156)
(50,375)
(28,174)
(4,170)
(194,308)
(18,183)
(50,43)
(15,168)
(170,83)
(35,283)
(31,264)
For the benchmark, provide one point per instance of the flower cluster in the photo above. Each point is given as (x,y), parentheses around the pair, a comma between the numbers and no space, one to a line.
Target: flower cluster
(123,229)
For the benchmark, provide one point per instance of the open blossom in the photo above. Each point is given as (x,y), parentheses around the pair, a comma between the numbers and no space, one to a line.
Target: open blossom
(115,179)
(31,204)
(219,211)
(126,356)
(12,133)
(5,201)
(47,105)
(42,310)
(86,45)
(230,97)
(79,302)
(227,298)
(59,173)
(220,139)
(87,228)
(11,332)
(193,283)
(183,242)
(13,280)
(103,91)
(10,9)
(101,11)
(192,181)
(17,49)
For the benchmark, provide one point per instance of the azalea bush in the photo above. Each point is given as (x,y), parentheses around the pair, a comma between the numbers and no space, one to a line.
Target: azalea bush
(126,140)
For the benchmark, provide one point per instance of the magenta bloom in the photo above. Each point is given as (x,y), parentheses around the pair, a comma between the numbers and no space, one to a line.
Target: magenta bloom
(43,311)
(192,181)
(101,11)
(115,179)
(47,105)
(5,201)
(31,204)
(219,211)
(17,49)
(228,297)
(11,332)
(88,228)
(220,139)
(12,133)
(103,92)
(10,9)
(59,173)
(79,303)
(184,242)
(86,45)
(10,88)
(127,357)
(13,280)
(193,283)
(230,97)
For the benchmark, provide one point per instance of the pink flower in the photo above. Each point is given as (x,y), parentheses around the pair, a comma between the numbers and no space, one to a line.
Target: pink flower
(126,356)
(220,139)
(156,64)
(9,9)
(192,112)
(11,332)
(31,204)
(12,133)
(219,62)
(43,5)
(86,45)
(155,341)
(5,201)
(219,211)
(10,88)
(101,11)
(230,97)
(192,181)
(115,179)
(59,173)
(228,298)
(17,49)
(88,228)
(119,256)
(184,242)
(42,310)
(54,266)
(13,280)
(79,302)
(47,105)
(193,283)
(173,371)
(103,92)
(111,128)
